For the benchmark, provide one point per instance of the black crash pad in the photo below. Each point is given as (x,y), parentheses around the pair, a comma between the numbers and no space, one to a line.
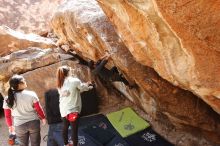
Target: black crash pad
(100,130)
(147,137)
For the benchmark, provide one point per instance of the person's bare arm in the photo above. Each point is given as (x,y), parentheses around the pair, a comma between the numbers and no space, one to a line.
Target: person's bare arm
(84,86)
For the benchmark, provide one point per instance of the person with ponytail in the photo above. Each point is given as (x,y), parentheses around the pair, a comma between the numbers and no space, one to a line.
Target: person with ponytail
(69,88)
(23,105)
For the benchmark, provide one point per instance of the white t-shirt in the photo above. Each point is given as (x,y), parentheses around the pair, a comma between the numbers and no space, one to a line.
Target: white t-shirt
(23,110)
(70,99)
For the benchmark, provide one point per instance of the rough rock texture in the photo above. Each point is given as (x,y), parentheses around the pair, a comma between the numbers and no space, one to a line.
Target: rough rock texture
(177,114)
(11,41)
(179,39)
(28,16)
(44,78)
(29,59)
(26,60)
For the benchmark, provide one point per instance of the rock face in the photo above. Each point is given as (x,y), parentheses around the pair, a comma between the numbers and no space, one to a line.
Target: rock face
(11,41)
(29,59)
(44,78)
(26,60)
(179,39)
(83,25)
(28,16)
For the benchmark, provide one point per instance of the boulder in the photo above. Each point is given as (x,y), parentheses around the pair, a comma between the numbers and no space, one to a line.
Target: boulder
(30,59)
(86,29)
(11,41)
(179,39)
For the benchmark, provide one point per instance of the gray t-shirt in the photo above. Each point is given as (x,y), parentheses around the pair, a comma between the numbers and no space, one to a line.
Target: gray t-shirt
(23,110)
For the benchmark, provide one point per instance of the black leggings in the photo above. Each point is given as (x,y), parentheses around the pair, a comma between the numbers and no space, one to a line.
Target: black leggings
(74,130)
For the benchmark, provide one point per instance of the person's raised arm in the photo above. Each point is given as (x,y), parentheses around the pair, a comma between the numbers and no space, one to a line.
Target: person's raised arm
(84,86)
(100,66)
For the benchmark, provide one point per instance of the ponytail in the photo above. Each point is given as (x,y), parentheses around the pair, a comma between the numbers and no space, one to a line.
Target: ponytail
(11,98)
(13,89)
(62,73)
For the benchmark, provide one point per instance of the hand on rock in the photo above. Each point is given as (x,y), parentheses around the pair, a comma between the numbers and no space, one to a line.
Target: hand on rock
(91,84)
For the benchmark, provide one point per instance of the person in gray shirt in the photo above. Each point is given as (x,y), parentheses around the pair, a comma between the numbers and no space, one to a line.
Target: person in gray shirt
(23,105)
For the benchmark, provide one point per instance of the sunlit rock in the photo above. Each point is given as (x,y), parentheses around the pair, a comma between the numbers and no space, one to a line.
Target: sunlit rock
(29,59)
(179,39)
(86,29)
(11,41)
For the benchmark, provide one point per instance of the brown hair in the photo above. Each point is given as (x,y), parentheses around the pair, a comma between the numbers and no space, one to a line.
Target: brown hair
(62,73)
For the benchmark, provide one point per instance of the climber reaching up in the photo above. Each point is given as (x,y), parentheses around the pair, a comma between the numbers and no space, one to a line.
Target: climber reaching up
(70,87)
(104,73)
